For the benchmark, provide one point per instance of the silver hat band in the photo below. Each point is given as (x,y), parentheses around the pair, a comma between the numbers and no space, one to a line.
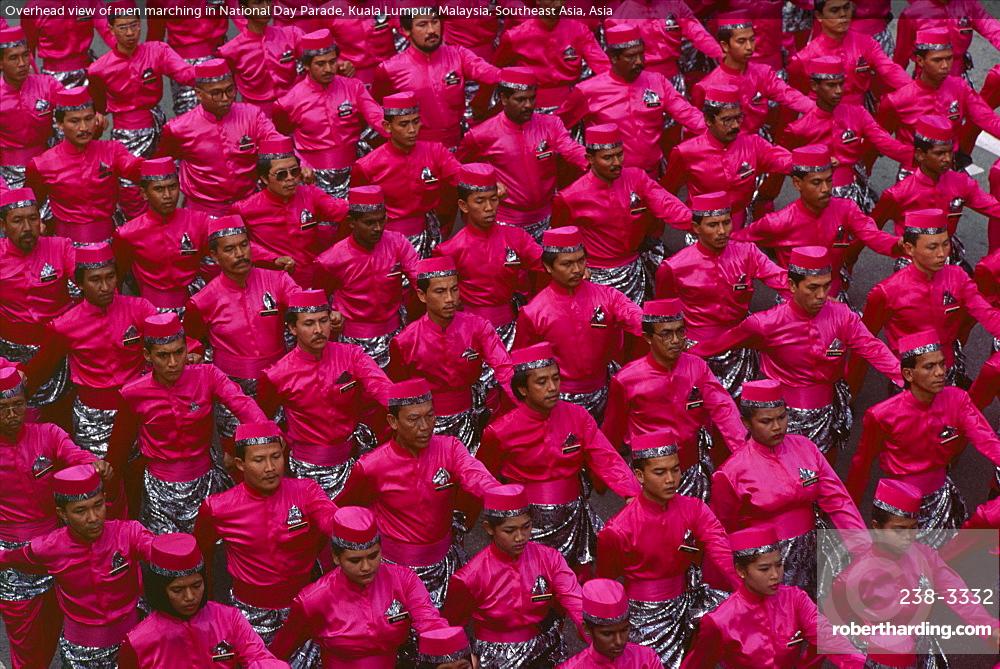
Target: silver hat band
(755,552)
(909,229)
(604,147)
(715,104)
(275,156)
(656,452)
(534,364)
(626,45)
(343,544)
(75,107)
(160,341)
(227,232)
(362,208)
(314,309)
(809,271)
(754,404)
(509,513)
(477,188)
(95,265)
(828,75)
(444,659)
(437,274)
(17,205)
(651,318)
(67,499)
(894,510)
(172,573)
(597,620)
(929,140)
(157,177)
(8,45)
(259,441)
(212,80)
(812,168)
(517,87)
(930,46)
(390,112)
(920,350)
(11,392)
(712,212)
(407,401)
(319,52)
(562,249)
(735,26)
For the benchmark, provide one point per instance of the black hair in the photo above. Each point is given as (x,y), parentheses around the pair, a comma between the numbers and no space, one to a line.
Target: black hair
(746,413)
(78,273)
(724,33)
(120,14)
(796,277)
(406,17)
(518,381)
(394,410)
(264,165)
(921,144)
(819,5)
(155,588)
(648,328)
(464,193)
(745,561)
(240,449)
(880,516)
(213,244)
(423,285)
(307,59)
(711,111)
(292,317)
(640,463)
(910,237)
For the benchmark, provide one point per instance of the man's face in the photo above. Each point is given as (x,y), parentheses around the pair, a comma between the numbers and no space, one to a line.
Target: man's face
(607,163)
(403,130)
(441,296)
(714,231)
(519,105)
(668,340)
(835,18)
(185,594)
(512,535)
(935,66)
(360,567)
(162,195)
(568,269)
(323,68)
(311,331)
(897,534)
(167,360)
(367,228)
(610,640)
(812,292)
(79,126)
(23,226)
(284,177)
(815,189)
(86,518)
(217,97)
(541,392)
(740,46)
(930,373)
(414,426)
(262,466)
(629,63)
(726,124)
(937,160)
(768,426)
(426,32)
(763,575)
(15,64)
(233,254)
(659,478)
(99,285)
(930,253)
(828,91)
(12,412)
(480,208)
(127,30)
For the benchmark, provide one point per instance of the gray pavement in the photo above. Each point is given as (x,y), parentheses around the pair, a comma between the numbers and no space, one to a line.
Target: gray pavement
(972,472)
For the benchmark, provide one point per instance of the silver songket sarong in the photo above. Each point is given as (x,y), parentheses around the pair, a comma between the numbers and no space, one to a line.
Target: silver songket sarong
(594,402)
(828,427)
(542,652)
(859,191)
(533,229)
(798,554)
(73,656)
(141,142)
(696,480)
(667,626)
(14,175)
(735,367)
(18,586)
(795,19)
(92,427)
(632,279)
(335,183)
(172,506)
(424,242)
(184,98)
(226,421)
(941,513)
(435,577)
(463,426)
(377,348)
(266,623)
(569,528)
(53,388)
(69,78)
(330,478)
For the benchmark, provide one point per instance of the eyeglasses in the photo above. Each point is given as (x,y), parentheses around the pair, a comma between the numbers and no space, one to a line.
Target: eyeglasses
(731,120)
(667,335)
(293,172)
(222,93)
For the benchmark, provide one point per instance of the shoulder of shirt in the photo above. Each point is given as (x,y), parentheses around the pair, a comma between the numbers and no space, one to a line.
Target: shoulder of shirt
(955,393)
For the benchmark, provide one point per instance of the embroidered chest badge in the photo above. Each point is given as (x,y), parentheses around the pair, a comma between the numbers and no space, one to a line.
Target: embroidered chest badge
(246,143)
(694,399)
(294,521)
(949,303)
(571,444)
(635,204)
(42,106)
(599,318)
(835,349)
(670,23)
(451,78)
(796,639)
(757,99)
(848,136)
(470,354)
(510,258)
(345,108)
(148,76)
(118,563)
(948,434)
(345,382)
(955,206)
(862,65)
(47,273)
(397,270)
(194,406)
(223,652)
(953,110)
(808,477)
(103,169)
(307,221)
(843,239)
(569,54)
(742,283)
(187,246)
(286,57)
(442,480)
(540,590)
(396,613)
(41,467)
(542,150)
(270,306)
(381,22)
(746,169)
(131,336)
(427,176)
(688,543)
(965,25)
(650,98)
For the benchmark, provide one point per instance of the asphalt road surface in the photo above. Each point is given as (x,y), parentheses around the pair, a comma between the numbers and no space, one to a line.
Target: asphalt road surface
(972,472)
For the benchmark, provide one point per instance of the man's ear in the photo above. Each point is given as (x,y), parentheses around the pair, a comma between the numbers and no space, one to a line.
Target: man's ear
(393,422)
